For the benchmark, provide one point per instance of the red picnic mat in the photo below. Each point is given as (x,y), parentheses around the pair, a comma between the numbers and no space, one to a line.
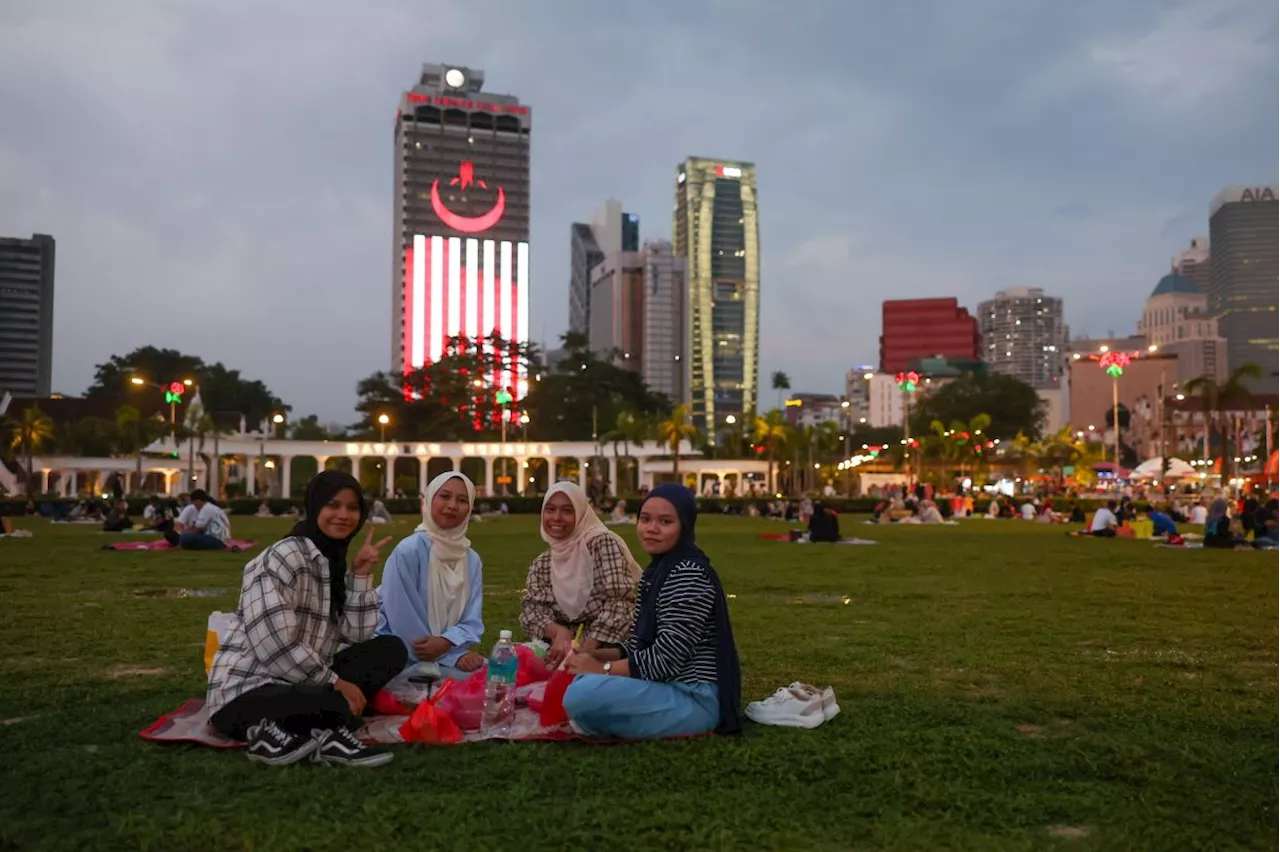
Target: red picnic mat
(234,545)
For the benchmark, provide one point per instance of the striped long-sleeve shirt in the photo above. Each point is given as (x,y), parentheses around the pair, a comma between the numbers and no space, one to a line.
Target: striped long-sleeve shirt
(608,614)
(684,649)
(282,631)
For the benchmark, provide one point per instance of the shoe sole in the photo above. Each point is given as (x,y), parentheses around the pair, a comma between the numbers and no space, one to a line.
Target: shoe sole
(789,720)
(303,752)
(368,760)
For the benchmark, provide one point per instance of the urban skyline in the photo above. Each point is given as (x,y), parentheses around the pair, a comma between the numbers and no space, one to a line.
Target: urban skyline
(856,211)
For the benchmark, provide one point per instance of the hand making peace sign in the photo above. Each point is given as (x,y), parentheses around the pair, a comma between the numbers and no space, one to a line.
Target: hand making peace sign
(367,555)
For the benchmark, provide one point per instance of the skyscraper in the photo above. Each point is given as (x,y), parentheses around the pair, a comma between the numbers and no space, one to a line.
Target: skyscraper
(717,232)
(460,252)
(912,329)
(1193,263)
(610,230)
(26,315)
(1245,263)
(1023,335)
(639,305)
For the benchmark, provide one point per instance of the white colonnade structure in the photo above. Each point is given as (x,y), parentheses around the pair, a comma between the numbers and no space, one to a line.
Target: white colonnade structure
(264,466)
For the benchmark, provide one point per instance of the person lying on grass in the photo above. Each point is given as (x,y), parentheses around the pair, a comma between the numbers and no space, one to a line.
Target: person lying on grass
(432,586)
(585,579)
(678,674)
(278,679)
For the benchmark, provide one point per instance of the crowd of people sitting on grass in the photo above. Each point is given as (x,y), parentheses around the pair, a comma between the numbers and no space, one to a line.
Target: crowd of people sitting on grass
(312,641)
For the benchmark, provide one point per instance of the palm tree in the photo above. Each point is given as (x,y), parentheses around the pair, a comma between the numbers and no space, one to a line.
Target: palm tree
(781,382)
(771,432)
(129,432)
(27,435)
(675,429)
(629,429)
(1218,398)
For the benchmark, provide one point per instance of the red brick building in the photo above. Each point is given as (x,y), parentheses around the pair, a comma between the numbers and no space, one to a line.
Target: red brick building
(912,329)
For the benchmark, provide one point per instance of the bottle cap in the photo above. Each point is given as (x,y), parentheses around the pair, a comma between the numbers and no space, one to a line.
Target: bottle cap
(504,635)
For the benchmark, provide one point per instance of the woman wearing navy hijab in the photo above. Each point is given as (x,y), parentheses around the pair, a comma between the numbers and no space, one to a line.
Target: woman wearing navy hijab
(678,674)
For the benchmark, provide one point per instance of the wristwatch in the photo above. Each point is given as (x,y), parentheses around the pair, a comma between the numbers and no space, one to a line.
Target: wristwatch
(608,667)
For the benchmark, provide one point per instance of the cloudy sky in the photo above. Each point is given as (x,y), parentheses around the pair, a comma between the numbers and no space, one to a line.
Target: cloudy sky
(218,175)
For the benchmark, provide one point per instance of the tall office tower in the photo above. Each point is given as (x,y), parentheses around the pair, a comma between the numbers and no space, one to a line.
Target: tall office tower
(1245,263)
(638,314)
(913,329)
(1023,335)
(609,231)
(461,223)
(26,315)
(1193,263)
(717,232)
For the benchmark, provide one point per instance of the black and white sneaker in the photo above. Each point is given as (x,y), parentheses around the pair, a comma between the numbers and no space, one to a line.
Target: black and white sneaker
(274,746)
(341,747)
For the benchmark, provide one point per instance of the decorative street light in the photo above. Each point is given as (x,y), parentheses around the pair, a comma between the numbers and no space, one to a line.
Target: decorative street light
(908,382)
(173,392)
(383,420)
(1114,363)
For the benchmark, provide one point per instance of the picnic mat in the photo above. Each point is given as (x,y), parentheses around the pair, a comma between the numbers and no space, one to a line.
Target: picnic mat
(234,545)
(787,538)
(190,724)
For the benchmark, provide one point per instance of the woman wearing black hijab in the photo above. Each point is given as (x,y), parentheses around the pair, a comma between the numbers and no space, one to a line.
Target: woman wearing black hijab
(678,674)
(278,679)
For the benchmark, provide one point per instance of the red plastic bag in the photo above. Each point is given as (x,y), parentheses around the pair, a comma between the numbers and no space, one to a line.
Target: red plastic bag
(430,724)
(386,704)
(529,667)
(464,702)
(553,712)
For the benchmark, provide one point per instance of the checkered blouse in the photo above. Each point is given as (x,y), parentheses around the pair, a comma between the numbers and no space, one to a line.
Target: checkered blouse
(282,631)
(607,615)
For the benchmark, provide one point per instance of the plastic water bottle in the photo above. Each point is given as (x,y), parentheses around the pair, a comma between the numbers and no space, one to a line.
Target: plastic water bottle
(500,688)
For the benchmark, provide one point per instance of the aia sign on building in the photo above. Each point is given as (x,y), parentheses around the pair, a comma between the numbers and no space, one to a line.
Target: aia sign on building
(467,285)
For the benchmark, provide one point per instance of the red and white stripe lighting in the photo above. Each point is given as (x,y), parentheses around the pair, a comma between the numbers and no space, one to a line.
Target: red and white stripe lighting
(465,287)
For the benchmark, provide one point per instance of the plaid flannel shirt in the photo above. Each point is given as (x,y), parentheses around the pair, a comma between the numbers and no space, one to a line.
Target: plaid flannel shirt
(282,631)
(609,612)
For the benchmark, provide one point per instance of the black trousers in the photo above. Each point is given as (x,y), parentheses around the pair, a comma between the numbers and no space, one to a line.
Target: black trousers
(298,708)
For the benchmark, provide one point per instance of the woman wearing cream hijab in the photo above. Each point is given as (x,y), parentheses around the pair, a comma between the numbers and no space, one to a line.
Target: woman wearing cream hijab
(431,586)
(587,578)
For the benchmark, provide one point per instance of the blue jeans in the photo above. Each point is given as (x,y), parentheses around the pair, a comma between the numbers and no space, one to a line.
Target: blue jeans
(200,541)
(633,709)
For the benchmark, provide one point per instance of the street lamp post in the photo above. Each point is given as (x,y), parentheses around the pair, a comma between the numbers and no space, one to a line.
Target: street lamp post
(383,420)
(847,426)
(276,419)
(172,394)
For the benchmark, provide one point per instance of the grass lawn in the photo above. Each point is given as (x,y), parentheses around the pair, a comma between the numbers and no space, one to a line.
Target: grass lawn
(1003,687)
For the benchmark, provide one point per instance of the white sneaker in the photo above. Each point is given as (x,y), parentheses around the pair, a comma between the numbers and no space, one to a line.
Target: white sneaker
(794,706)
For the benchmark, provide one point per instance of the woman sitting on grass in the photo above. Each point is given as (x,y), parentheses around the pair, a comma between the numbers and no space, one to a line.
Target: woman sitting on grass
(677,674)
(276,679)
(431,586)
(585,579)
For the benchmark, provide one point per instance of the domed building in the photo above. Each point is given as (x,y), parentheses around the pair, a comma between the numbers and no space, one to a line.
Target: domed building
(1176,318)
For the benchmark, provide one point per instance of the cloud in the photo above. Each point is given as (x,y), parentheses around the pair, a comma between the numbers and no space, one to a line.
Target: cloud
(218,176)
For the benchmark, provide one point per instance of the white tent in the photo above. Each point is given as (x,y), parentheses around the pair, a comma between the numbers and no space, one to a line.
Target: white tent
(1150,468)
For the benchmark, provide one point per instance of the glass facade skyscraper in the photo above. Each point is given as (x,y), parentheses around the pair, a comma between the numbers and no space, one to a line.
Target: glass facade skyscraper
(717,232)
(1242,281)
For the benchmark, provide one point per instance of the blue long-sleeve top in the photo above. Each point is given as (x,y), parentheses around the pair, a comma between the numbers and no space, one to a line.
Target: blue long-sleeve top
(404,601)
(1162,524)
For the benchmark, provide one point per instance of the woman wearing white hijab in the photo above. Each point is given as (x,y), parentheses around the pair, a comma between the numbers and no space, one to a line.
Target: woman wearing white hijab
(431,586)
(587,578)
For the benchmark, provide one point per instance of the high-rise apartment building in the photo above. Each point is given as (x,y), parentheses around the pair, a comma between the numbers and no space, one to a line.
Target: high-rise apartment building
(1023,335)
(717,231)
(26,315)
(1245,262)
(915,329)
(639,312)
(461,218)
(610,230)
(1194,263)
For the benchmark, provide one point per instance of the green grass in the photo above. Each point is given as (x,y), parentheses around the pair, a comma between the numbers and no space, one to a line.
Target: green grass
(1004,687)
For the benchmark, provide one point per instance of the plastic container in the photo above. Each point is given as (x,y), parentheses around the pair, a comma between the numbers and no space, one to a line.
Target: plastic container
(500,688)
